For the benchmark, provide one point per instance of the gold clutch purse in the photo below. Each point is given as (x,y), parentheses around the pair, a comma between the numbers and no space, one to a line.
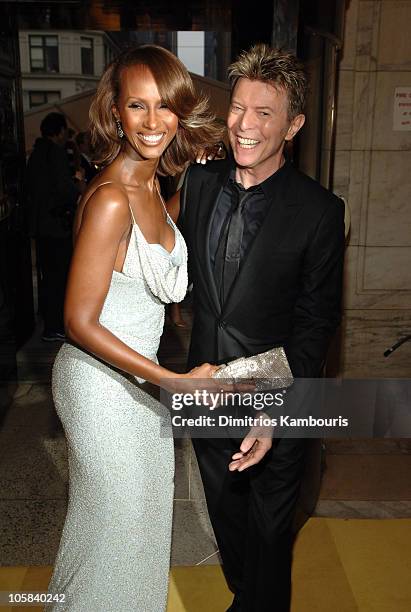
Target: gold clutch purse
(270,370)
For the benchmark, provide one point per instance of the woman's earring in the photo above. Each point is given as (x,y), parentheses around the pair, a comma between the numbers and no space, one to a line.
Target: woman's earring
(120,132)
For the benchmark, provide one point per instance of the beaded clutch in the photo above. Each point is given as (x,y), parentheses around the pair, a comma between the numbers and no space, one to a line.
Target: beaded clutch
(270,370)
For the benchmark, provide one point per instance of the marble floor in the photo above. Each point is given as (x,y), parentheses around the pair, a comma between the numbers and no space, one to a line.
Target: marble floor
(362,479)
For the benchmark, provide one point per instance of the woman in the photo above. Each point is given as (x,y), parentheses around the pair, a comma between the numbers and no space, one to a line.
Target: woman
(129,259)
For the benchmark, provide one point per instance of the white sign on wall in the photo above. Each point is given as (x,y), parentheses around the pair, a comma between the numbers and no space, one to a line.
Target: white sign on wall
(402,109)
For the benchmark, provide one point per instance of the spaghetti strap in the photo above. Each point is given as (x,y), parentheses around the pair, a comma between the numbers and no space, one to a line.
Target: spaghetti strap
(105,183)
(132,214)
(131,210)
(163,203)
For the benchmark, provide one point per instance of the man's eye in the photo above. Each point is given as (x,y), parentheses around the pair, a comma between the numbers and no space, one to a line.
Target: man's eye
(264,114)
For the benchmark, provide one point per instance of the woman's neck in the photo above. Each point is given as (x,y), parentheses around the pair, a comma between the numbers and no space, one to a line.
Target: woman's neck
(136,171)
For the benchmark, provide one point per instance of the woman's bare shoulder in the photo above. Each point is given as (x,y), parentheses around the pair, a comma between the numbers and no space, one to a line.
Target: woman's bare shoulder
(105,190)
(105,184)
(105,201)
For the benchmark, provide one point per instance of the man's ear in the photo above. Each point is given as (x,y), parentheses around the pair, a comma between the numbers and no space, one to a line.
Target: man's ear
(295,126)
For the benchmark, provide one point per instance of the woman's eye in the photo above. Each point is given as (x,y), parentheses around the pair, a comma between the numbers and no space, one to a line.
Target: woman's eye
(134,105)
(163,105)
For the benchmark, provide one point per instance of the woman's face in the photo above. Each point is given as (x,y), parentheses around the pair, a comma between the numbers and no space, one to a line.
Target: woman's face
(148,125)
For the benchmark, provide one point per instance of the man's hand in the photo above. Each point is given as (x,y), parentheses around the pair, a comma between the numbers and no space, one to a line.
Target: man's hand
(253,448)
(217,151)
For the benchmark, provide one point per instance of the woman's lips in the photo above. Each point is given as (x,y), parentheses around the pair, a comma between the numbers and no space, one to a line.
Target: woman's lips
(151,139)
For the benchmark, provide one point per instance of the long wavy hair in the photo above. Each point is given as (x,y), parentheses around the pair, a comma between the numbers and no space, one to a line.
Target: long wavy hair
(197,126)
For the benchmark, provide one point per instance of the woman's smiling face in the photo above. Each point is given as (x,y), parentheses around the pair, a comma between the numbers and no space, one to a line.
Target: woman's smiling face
(148,125)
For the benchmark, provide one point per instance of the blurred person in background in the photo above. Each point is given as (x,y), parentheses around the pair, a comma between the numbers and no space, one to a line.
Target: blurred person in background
(52,196)
(73,152)
(89,169)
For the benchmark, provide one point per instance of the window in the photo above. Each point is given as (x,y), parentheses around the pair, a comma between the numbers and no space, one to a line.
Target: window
(87,55)
(44,54)
(37,98)
(190,50)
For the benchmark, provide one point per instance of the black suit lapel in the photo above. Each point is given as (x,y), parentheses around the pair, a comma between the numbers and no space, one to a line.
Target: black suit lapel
(209,193)
(209,276)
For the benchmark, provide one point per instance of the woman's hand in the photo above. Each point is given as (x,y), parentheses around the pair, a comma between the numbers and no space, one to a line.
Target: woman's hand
(197,379)
(206,370)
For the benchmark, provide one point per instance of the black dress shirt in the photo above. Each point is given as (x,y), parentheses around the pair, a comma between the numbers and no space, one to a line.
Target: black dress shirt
(254,212)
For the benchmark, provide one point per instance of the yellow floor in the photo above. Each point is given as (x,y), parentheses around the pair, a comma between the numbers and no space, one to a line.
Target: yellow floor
(339,566)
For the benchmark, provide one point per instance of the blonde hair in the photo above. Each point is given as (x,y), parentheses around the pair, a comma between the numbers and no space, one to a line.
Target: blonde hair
(197,126)
(276,67)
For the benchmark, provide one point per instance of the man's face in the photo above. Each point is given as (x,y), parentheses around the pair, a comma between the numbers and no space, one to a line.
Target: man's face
(258,125)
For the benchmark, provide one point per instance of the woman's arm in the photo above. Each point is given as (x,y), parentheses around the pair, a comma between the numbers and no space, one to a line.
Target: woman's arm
(105,223)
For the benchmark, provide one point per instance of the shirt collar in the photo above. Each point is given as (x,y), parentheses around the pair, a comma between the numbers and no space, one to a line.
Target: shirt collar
(267,186)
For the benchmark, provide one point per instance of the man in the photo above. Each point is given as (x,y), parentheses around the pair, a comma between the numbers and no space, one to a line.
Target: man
(52,197)
(265,251)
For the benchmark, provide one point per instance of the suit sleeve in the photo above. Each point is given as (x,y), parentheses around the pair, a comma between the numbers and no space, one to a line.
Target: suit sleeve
(317,311)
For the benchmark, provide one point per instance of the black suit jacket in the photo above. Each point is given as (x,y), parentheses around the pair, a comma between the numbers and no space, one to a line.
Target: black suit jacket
(288,292)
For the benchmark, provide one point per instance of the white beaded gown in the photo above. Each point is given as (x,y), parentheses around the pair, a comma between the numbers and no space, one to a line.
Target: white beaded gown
(115,547)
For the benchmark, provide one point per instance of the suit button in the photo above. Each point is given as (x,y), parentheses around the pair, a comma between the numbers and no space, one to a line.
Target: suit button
(222,324)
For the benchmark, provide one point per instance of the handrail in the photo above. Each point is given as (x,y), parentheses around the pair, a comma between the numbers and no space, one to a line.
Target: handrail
(324,34)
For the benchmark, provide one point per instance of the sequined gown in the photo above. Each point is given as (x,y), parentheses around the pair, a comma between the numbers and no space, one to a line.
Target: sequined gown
(115,547)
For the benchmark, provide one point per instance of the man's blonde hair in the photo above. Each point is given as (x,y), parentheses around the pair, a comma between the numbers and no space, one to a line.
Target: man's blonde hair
(276,67)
